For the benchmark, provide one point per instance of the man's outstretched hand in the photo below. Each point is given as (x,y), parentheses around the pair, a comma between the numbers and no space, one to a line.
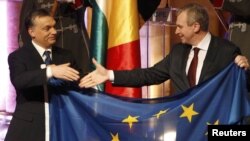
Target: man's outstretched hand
(98,76)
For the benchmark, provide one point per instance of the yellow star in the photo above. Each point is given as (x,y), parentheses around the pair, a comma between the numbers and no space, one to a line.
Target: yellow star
(130,120)
(115,137)
(188,112)
(160,113)
(215,123)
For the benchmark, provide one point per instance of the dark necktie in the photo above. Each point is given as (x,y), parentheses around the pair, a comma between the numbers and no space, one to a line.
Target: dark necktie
(193,68)
(47,57)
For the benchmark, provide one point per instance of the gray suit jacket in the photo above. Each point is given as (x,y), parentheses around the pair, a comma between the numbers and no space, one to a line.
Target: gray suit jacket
(220,54)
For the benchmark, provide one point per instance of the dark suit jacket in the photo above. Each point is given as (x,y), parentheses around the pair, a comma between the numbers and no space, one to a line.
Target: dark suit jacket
(220,54)
(71,31)
(28,123)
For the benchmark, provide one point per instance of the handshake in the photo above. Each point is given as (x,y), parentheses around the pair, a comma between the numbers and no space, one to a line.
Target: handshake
(92,79)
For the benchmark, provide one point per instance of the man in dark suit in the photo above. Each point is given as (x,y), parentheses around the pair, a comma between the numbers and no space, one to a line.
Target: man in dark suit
(192,28)
(69,16)
(71,30)
(30,72)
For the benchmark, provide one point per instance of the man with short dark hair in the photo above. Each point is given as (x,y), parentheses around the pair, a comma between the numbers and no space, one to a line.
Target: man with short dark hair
(31,67)
(71,31)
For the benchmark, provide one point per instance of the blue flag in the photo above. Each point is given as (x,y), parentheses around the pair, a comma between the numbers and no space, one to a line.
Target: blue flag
(89,115)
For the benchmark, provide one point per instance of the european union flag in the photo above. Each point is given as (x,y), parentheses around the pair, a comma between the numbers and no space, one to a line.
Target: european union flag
(88,115)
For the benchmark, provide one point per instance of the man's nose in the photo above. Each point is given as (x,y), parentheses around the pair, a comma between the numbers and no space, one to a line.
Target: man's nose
(54,31)
(176,31)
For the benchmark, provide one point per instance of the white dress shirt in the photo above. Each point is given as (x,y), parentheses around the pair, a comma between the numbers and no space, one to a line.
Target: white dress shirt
(203,46)
(41,51)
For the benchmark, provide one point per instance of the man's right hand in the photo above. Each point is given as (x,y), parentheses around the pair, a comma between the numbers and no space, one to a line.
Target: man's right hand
(64,72)
(98,76)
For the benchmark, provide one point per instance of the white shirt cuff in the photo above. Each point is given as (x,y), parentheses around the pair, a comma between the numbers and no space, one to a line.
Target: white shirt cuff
(48,72)
(111,75)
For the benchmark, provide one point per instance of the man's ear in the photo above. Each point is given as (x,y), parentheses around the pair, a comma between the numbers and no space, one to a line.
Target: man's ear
(196,27)
(31,32)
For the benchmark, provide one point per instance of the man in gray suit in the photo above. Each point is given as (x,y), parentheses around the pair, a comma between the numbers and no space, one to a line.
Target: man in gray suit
(192,28)
(30,71)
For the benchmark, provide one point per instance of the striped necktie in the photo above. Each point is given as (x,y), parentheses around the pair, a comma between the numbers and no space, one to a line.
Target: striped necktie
(47,57)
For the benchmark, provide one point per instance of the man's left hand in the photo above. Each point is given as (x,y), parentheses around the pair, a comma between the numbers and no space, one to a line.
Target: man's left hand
(242,62)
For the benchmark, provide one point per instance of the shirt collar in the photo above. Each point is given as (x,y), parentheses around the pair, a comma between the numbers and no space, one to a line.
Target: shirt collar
(204,43)
(40,49)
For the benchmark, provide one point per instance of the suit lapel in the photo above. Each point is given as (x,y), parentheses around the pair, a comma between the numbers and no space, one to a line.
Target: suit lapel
(209,59)
(34,54)
(185,54)
(56,57)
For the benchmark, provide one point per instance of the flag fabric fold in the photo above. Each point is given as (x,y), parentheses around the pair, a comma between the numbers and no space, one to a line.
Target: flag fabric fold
(80,114)
(115,39)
